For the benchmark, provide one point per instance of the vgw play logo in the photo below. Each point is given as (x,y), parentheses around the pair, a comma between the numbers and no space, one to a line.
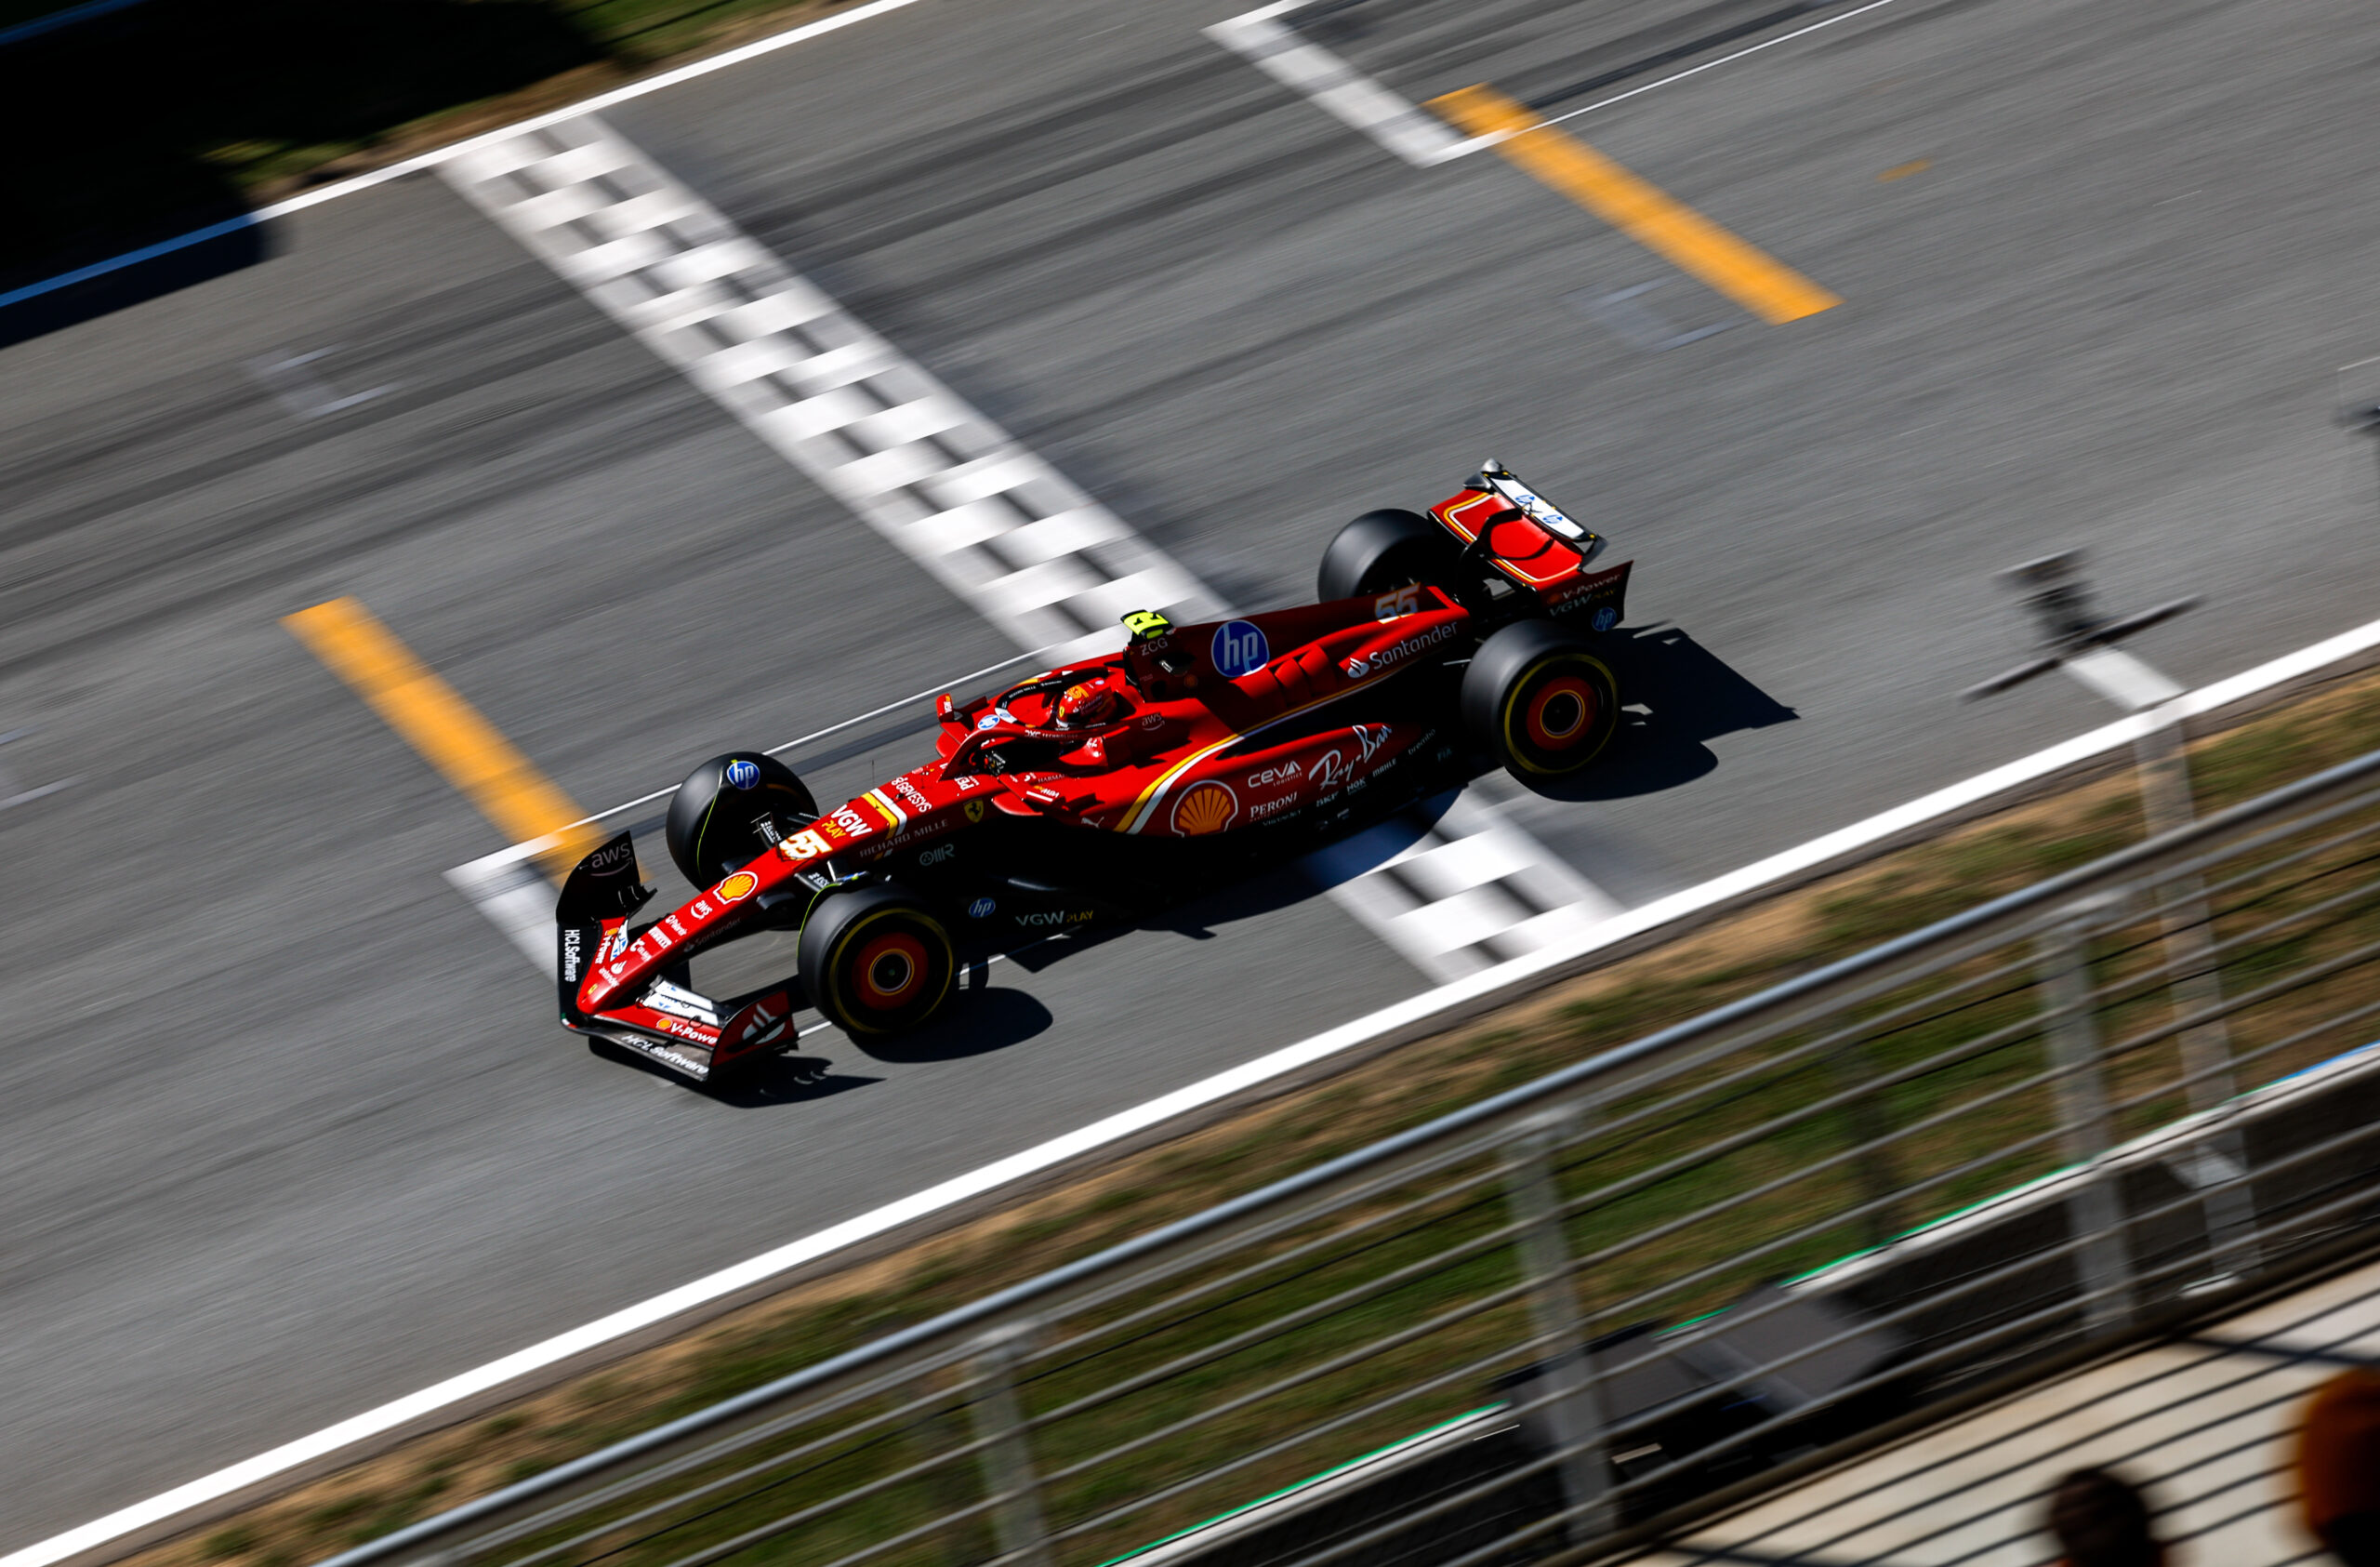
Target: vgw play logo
(1239,647)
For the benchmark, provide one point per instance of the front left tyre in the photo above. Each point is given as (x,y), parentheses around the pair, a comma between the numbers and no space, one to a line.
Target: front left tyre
(1539,702)
(875,961)
(714,821)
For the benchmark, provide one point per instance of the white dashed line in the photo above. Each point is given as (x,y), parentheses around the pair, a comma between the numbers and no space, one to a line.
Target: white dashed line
(1472,891)
(991,520)
(1338,88)
(1002,528)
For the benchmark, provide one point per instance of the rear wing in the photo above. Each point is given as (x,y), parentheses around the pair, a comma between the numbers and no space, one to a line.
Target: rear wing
(1498,479)
(1536,545)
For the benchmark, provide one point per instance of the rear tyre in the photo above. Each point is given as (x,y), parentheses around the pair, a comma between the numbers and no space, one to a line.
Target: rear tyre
(875,962)
(1384,550)
(1543,704)
(714,822)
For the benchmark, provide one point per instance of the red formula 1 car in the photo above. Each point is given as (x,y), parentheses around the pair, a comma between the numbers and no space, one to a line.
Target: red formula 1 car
(1111,787)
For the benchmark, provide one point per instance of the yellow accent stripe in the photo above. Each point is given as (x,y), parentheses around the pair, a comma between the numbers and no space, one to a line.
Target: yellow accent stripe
(1749,276)
(1144,810)
(1153,796)
(893,814)
(448,732)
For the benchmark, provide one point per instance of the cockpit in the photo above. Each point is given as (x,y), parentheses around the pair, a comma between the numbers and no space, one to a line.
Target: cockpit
(1049,723)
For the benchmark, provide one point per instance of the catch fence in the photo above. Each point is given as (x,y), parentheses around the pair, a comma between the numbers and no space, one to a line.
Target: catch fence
(1590,1307)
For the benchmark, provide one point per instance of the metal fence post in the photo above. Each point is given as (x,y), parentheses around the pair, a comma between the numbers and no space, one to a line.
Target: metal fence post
(1574,1414)
(2217,1162)
(1869,1123)
(2102,1261)
(1007,1453)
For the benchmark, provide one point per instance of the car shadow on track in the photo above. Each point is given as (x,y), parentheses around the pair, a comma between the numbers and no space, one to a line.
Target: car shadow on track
(978,1020)
(1692,697)
(783,1079)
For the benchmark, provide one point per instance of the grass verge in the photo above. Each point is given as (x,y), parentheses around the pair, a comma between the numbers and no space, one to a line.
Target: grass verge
(1759,946)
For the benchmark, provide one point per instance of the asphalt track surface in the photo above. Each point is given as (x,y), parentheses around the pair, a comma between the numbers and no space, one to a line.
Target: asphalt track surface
(286,1128)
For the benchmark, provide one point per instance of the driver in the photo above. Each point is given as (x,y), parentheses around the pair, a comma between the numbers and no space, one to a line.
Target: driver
(1092,704)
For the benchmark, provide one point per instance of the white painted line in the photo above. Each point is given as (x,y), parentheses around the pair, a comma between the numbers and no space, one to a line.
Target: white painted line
(1337,87)
(301,392)
(2122,678)
(984,515)
(1706,65)
(1046,563)
(11,796)
(431,159)
(1411,133)
(27,796)
(1445,1003)
(1460,894)
(506,888)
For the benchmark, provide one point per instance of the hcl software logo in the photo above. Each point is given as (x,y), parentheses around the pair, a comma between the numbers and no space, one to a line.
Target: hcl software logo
(1239,647)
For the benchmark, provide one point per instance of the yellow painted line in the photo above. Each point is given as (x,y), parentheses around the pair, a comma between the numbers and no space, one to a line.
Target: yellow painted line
(1902,171)
(431,717)
(1644,213)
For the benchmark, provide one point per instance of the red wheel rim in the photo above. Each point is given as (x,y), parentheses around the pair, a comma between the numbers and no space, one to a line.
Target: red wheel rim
(889,970)
(1560,714)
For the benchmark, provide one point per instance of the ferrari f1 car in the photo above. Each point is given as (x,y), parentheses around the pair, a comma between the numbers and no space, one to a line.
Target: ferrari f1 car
(1103,789)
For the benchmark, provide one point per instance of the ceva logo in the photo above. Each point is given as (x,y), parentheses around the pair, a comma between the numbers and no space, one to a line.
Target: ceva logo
(1239,647)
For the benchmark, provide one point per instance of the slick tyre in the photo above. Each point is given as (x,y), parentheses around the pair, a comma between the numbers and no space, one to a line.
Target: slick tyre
(714,822)
(1384,550)
(1541,704)
(875,962)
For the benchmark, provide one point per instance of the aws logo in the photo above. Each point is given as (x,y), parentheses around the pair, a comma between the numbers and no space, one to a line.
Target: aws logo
(1208,809)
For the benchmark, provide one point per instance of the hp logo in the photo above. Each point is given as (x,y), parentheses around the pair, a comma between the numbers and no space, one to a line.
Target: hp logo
(743,773)
(1239,647)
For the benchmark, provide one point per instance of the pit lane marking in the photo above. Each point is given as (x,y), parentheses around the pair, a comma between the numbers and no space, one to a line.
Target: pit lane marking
(995,522)
(1730,58)
(997,525)
(1636,208)
(432,717)
(1272,46)
(1265,33)
(1463,892)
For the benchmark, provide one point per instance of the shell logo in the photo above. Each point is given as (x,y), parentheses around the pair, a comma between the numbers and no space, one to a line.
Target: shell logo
(735,887)
(1208,809)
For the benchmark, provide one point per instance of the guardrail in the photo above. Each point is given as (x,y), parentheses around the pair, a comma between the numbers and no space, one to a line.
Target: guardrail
(1527,1327)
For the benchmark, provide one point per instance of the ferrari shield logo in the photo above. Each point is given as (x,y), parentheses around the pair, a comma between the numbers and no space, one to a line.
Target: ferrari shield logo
(974,810)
